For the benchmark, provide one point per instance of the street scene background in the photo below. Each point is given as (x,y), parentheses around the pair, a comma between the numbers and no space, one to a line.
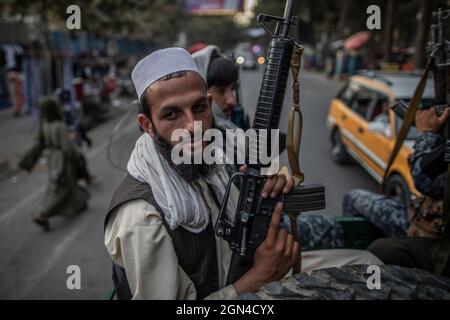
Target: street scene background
(40,55)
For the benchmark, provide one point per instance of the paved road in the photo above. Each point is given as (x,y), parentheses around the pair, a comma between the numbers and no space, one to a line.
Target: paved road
(33,264)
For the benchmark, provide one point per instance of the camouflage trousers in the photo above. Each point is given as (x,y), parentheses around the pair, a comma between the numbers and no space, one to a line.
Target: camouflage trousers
(319,231)
(316,231)
(388,214)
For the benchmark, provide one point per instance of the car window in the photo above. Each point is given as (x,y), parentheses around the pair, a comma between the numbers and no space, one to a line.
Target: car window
(425,103)
(380,109)
(363,101)
(347,93)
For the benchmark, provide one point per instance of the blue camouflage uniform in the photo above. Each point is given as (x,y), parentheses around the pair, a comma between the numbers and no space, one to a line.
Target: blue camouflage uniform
(388,214)
(319,231)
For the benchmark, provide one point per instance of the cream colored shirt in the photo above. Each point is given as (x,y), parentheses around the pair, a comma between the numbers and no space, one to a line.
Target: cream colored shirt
(138,241)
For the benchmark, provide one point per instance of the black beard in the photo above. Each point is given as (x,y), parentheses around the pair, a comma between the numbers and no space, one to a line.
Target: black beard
(190,172)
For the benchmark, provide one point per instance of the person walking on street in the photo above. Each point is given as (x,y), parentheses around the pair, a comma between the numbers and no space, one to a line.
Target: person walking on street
(64,194)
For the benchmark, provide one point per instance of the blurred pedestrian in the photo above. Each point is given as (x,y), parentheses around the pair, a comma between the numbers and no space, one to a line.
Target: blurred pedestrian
(340,62)
(64,194)
(18,97)
(73,117)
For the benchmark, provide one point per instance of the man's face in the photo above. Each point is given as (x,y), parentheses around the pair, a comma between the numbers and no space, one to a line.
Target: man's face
(225,97)
(176,104)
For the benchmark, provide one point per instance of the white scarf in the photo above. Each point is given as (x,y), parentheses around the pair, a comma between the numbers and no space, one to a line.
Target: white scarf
(181,204)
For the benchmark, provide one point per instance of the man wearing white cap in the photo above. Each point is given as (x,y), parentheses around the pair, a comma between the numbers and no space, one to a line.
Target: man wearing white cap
(159,227)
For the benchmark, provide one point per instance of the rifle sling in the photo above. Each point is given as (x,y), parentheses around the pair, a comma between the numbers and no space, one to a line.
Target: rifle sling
(408,120)
(293,140)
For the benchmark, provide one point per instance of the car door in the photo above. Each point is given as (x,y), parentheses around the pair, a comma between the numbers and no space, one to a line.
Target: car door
(355,132)
(378,141)
(401,163)
(340,106)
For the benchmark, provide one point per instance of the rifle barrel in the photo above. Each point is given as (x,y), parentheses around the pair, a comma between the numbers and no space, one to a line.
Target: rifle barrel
(288,11)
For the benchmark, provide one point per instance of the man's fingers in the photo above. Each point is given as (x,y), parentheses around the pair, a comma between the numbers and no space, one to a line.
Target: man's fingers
(444,116)
(268,186)
(279,185)
(427,113)
(288,247)
(281,240)
(289,185)
(420,112)
(274,223)
(243,168)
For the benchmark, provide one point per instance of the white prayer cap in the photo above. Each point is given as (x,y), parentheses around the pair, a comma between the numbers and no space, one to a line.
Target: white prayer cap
(159,64)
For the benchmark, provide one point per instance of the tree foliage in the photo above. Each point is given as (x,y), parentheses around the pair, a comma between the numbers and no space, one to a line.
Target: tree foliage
(155,20)
(161,21)
(331,20)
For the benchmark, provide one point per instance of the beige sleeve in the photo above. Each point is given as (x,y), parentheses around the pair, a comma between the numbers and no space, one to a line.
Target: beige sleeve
(138,241)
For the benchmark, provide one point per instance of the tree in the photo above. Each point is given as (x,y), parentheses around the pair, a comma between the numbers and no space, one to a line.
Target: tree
(423,21)
(161,21)
(343,16)
(217,30)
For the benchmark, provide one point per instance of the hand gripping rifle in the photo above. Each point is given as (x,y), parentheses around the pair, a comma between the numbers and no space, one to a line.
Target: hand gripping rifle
(439,63)
(253,213)
(438,51)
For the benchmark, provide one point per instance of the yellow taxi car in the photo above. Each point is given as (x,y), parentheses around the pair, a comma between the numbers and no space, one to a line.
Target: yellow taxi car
(364,126)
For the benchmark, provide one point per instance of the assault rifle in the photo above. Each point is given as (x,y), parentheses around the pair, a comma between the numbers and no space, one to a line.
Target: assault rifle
(253,213)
